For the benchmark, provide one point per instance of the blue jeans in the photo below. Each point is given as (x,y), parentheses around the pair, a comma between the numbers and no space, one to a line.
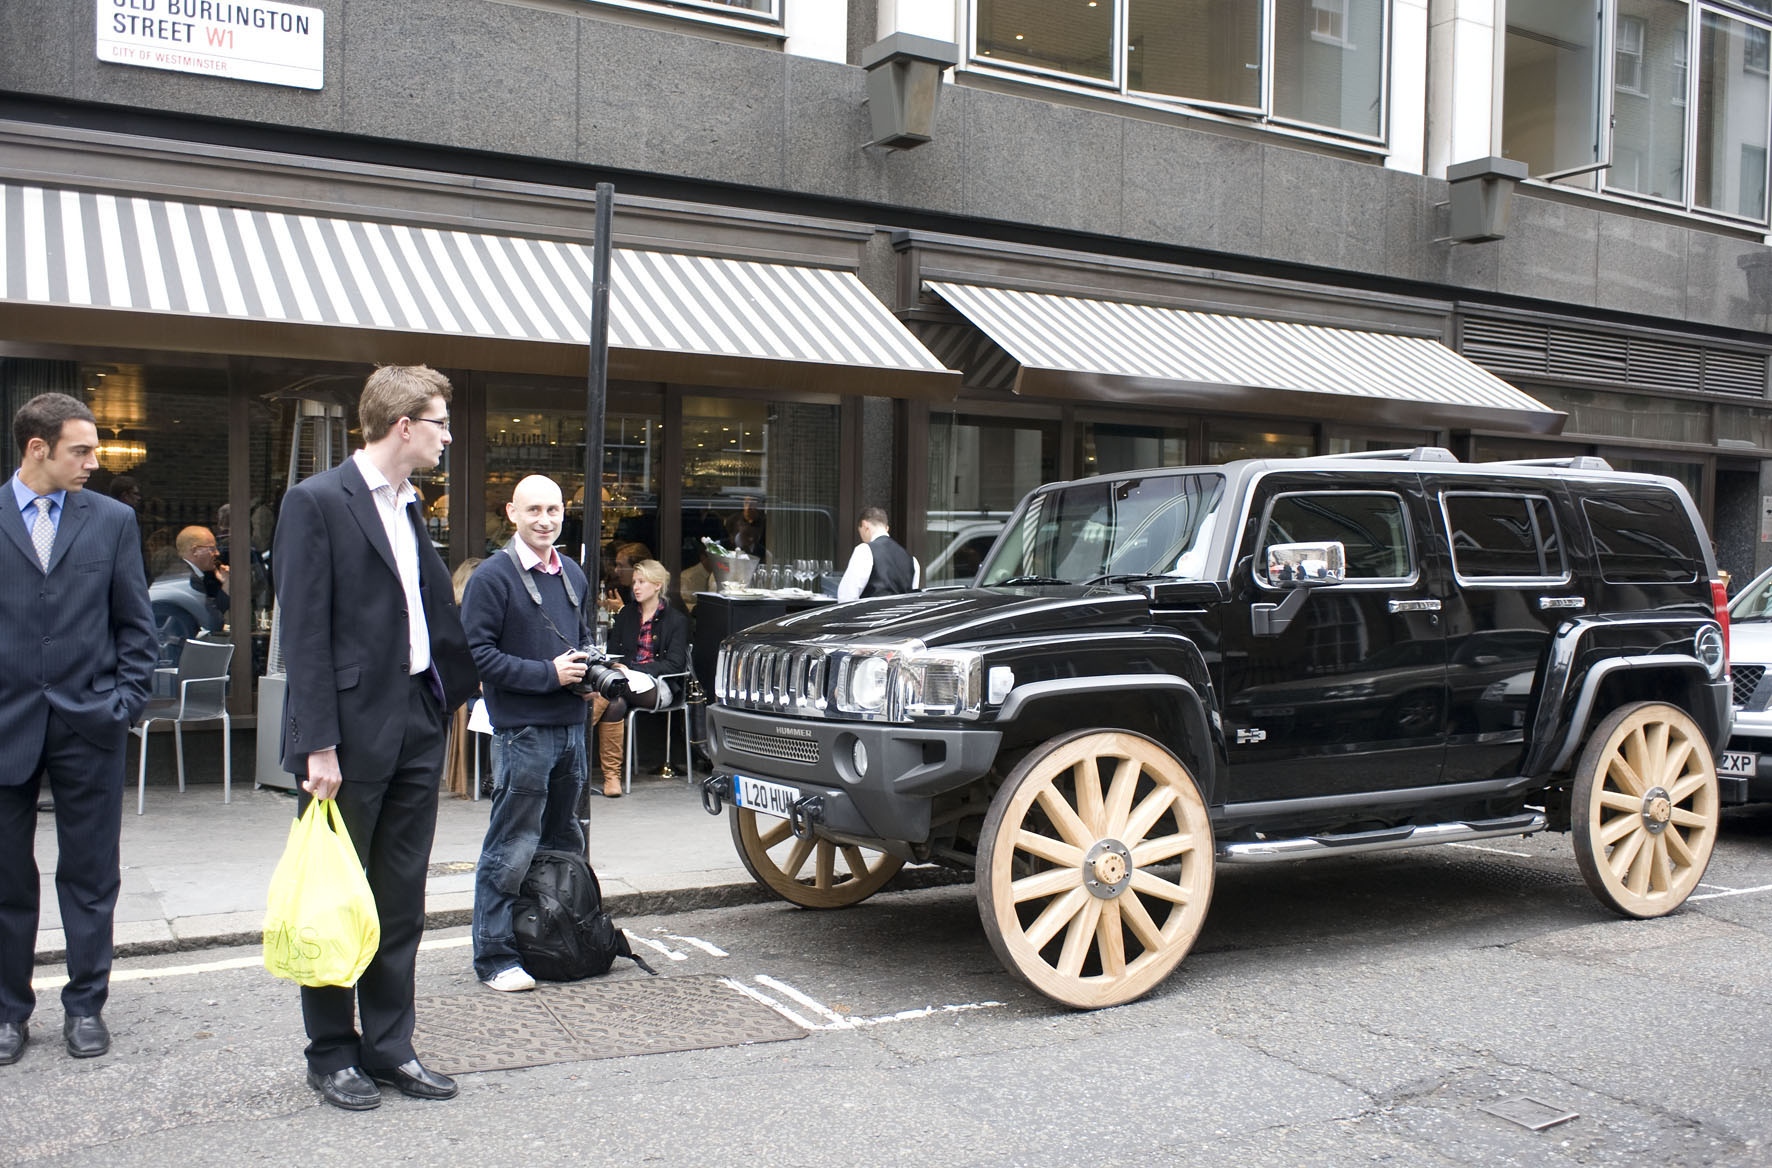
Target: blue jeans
(537,775)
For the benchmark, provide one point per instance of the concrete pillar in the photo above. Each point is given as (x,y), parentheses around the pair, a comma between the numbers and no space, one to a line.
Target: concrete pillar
(1461,91)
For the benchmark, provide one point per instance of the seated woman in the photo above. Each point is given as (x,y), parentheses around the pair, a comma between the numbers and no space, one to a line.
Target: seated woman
(651,637)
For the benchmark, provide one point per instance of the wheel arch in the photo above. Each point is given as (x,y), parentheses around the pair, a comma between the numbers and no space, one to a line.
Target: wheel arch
(1678,680)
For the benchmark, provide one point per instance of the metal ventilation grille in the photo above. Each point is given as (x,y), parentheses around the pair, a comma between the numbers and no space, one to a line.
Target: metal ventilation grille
(787,749)
(1746,679)
(1538,350)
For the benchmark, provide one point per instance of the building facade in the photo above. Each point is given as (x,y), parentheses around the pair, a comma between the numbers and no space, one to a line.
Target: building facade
(1130,232)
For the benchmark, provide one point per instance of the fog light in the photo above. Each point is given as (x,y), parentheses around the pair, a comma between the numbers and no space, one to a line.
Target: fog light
(859,755)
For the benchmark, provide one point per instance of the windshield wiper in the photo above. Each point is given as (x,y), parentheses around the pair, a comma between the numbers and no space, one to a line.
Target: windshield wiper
(1127,577)
(1013,581)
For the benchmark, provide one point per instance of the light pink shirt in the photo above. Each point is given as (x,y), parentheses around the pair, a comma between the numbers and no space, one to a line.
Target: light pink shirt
(530,561)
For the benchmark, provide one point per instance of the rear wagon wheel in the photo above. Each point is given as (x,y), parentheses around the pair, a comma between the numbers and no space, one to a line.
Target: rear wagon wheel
(815,873)
(1644,809)
(1095,867)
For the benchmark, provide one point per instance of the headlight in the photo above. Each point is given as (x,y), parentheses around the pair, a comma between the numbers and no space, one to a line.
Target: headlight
(861,685)
(941,684)
(1707,646)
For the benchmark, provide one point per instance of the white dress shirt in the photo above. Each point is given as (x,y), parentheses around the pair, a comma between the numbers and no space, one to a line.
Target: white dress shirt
(391,503)
(861,566)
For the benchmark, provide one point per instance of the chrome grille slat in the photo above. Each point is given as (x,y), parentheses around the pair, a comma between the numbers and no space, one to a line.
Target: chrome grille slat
(768,746)
(784,678)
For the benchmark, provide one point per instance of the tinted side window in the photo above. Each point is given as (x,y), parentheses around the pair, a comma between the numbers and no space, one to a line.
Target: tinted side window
(1370,527)
(1643,536)
(1503,536)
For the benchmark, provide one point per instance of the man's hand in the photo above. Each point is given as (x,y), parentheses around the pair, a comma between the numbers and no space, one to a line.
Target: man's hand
(221,576)
(569,667)
(323,779)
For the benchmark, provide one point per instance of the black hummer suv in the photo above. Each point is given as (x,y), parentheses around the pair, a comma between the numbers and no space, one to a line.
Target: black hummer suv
(1162,671)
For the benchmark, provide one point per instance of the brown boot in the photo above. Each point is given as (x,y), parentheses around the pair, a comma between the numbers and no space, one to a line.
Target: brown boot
(611,738)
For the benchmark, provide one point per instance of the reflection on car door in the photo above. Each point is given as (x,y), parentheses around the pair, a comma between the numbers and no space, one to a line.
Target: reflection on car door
(1351,696)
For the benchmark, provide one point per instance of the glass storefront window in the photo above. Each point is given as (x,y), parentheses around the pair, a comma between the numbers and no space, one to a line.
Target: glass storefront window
(1734,118)
(1069,38)
(1202,50)
(1649,102)
(1111,447)
(1329,64)
(979,469)
(1230,440)
(1550,102)
(761,477)
(537,426)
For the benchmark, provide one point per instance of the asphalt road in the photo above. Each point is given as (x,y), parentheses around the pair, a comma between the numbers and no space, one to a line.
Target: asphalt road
(1352,1011)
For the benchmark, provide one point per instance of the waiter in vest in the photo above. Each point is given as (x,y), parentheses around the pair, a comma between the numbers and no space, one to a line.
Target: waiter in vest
(878,566)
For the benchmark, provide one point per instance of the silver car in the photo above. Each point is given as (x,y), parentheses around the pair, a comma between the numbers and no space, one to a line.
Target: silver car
(1747,765)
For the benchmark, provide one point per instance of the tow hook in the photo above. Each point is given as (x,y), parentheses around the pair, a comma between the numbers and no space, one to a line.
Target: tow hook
(804,815)
(715,790)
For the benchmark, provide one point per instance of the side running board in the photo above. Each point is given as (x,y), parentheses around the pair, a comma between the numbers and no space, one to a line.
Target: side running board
(1386,839)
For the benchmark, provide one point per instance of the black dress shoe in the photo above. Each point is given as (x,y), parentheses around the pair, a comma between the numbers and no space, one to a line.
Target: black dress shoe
(415,1080)
(86,1035)
(348,1088)
(13,1036)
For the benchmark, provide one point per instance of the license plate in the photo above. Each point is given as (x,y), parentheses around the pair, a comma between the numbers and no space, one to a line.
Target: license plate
(1737,762)
(766,797)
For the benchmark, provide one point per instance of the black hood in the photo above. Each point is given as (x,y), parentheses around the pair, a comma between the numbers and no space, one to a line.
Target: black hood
(962,615)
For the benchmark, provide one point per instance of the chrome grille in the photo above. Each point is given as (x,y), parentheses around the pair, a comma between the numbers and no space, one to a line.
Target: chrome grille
(788,678)
(1746,679)
(769,746)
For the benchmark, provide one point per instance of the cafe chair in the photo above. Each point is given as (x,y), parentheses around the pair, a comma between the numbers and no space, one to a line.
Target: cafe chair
(679,683)
(200,694)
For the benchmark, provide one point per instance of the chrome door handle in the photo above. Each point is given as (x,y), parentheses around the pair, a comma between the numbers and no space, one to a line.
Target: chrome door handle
(1562,602)
(1414,606)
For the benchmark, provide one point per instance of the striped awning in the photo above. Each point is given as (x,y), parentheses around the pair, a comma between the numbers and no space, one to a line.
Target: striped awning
(672,316)
(1072,346)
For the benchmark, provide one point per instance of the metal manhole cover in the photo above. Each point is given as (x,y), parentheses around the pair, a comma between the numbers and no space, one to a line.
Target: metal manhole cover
(1532,1114)
(482,1031)
(451,867)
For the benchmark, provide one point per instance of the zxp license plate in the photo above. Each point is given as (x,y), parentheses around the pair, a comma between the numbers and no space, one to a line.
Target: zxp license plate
(1737,762)
(759,795)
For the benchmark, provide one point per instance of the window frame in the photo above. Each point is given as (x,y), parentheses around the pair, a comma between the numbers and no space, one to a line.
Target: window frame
(1533,502)
(1117,84)
(1412,560)
(710,12)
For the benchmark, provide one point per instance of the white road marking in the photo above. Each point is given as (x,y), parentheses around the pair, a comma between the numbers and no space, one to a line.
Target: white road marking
(56,981)
(764,998)
(1732,892)
(836,1021)
(709,948)
(1497,851)
(673,954)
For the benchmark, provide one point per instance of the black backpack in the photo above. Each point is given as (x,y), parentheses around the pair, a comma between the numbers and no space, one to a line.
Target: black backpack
(562,932)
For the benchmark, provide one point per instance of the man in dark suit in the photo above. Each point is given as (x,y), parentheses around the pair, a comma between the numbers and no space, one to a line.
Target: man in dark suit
(376,659)
(77,653)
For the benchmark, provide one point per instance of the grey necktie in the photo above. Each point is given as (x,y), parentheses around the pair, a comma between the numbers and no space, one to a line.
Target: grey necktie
(43,531)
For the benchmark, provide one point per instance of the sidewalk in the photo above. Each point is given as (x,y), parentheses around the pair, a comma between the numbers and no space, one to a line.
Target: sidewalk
(195,870)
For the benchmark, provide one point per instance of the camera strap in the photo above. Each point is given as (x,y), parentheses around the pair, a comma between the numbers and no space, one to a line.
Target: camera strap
(528,579)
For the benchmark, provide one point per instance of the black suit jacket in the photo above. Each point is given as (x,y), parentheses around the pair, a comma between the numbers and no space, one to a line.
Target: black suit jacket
(343,625)
(78,639)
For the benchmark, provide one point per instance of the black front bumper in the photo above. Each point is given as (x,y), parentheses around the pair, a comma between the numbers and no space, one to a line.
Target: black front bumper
(907,765)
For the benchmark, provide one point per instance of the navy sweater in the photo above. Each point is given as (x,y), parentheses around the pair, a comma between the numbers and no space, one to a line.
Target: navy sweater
(514,649)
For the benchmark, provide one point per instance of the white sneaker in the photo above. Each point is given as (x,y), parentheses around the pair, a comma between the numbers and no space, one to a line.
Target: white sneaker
(510,981)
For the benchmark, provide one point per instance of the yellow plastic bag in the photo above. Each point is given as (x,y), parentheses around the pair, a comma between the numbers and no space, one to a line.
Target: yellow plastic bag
(321,926)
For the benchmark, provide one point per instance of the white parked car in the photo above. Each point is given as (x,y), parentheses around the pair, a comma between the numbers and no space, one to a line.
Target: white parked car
(1747,764)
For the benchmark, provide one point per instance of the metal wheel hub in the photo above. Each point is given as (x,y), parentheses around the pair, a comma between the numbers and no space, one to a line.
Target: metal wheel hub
(1107,869)
(1658,810)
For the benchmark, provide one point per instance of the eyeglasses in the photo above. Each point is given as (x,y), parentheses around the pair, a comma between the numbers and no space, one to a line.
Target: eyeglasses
(208,547)
(441,423)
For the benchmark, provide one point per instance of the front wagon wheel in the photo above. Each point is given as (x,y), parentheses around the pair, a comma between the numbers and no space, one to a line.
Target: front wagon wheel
(1095,867)
(1644,809)
(814,873)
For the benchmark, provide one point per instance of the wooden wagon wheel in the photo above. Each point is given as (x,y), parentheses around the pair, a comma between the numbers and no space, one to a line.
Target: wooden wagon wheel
(779,862)
(1644,809)
(1066,886)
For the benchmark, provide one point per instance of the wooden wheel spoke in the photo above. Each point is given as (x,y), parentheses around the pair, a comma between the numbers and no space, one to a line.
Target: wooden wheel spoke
(776,834)
(1119,800)
(1056,916)
(1079,939)
(827,865)
(1661,876)
(857,861)
(1167,847)
(1679,753)
(1111,939)
(1678,850)
(1087,776)
(1642,863)
(1065,819)
(1618,827)
(797,858)
(1685,818)
(1626,777)
(1144,816)
(1138,919)
(1150,885)
(1047,848)
(1048,883)
(1684,789)
(1618,801)
(1625,853)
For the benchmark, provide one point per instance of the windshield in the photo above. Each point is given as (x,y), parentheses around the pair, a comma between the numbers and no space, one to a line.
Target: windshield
(1751,603)
(1154,526)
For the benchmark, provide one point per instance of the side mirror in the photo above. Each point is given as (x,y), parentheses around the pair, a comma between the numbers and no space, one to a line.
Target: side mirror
(1299,568)
(1306,563)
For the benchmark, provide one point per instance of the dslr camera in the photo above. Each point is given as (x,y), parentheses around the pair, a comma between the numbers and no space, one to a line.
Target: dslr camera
(600,677)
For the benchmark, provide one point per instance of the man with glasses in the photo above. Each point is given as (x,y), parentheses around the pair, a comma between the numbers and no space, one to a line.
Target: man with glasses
(191,596)
(376,660)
